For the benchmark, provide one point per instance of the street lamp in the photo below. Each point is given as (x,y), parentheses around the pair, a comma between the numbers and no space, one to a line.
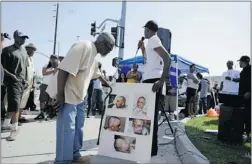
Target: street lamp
(58,45)
(42,54)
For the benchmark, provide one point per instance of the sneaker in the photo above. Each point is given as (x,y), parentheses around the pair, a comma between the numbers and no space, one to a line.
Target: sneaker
(39,117)
(13,135)
(46,116)
(83,159)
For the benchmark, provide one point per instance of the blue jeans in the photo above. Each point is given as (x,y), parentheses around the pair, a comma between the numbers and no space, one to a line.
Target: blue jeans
(203,105)
(69,133)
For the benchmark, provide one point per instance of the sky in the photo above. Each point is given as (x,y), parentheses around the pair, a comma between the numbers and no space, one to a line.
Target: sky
(207,33)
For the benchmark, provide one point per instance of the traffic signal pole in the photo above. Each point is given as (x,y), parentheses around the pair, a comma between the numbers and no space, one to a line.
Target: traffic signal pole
(122,31)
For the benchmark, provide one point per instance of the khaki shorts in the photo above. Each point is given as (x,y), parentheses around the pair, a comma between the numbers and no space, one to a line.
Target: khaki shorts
(170,103)
(25,97)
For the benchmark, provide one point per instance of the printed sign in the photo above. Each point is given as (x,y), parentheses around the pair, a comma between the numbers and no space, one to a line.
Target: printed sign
(127,126)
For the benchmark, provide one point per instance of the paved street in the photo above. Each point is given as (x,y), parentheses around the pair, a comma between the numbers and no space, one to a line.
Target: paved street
(36,144)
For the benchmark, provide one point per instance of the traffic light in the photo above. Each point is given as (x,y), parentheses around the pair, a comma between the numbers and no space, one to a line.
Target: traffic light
(114,32)
(93,28)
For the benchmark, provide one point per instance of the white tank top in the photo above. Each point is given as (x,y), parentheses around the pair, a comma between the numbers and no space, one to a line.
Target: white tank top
(191,84)
(47,78)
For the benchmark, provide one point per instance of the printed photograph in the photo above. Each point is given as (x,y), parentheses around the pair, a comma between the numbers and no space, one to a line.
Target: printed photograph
(115,124)
(124,144)
(139,126)
(140,106)
(117,101)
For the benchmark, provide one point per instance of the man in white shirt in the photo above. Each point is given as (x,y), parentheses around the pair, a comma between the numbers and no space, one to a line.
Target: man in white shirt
(191,92)
(140,110)
(97,100)
(157,65)
(30,48)
(203,89)
(229,84)
(74,75)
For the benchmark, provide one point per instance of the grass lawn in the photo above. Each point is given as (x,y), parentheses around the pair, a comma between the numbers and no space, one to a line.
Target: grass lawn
(216,151)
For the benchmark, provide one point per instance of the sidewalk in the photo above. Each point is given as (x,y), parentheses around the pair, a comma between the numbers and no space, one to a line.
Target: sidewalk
(36,144)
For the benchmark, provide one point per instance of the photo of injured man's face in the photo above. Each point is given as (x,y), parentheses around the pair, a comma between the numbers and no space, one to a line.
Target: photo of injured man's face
(117,101)
(115,124)
(141,101)
(140,109)
(124,144)
(139,126)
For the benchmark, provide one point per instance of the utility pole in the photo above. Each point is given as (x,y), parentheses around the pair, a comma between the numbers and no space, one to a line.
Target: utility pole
(122,31)
(56,28)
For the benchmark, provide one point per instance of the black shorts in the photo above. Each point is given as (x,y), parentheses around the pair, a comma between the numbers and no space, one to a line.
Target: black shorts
(14,95)
(190,93)
(43,96)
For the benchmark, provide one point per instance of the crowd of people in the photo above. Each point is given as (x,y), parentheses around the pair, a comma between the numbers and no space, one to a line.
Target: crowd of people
(18,81)
(67,87)
(239,83)
(96,91)
(232,82)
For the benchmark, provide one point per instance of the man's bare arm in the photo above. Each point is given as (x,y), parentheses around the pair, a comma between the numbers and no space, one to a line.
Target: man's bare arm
(104,82)
(44,72)
(237,80)
(193,77)
(143,53)
(166,59)
(61,81)
(4,61)
(221,86)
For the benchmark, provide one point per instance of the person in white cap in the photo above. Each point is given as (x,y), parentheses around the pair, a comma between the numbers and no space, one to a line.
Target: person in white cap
(14,59)
(74,75)
(30,48)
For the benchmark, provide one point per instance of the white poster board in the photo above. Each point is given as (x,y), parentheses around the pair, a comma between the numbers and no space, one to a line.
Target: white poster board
(127,125)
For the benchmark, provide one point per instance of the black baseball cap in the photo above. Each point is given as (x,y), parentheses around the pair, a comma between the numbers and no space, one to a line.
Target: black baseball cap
(245,59)
(152,25)
(20,34)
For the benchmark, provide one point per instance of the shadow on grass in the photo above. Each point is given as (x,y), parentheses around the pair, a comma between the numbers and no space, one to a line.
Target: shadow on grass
(211,122)
(216,151)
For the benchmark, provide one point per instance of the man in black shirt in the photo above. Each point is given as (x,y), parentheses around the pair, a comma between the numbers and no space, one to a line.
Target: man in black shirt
(245,90)
(14,59)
